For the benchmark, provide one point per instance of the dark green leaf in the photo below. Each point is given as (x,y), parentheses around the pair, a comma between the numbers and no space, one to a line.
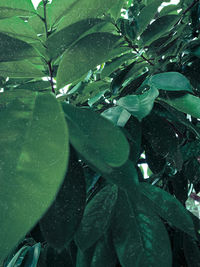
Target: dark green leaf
(139,236)
(169,208)
(63,217)
(188,104)
(191,251)
(86,54)
(147,14)
(158,28)
(139,105)
(34,150)
(96,218)
(170,81)
(12,49)
(98,141)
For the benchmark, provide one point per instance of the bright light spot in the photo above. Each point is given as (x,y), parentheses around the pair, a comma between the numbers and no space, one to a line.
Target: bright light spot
(36,3)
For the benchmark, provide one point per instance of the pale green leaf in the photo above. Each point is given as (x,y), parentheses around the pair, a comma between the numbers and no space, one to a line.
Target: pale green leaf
(33,161)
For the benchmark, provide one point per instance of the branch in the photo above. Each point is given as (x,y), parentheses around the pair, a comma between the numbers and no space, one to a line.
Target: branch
(49,62)
(133,47)
(186,10)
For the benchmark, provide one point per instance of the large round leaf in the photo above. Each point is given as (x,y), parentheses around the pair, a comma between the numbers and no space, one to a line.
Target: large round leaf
(33,160)
(100,142)
(86,54)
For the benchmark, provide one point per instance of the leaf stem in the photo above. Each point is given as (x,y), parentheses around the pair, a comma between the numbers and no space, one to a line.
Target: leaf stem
(47,34)
(133,47)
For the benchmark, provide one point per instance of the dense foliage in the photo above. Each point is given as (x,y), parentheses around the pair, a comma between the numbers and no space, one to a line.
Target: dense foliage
(91,91)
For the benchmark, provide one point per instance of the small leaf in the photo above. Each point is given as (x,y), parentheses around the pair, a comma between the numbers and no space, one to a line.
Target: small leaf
(18,257)
(63,217)
(170,81)
(97,140)
(139,105)
(12,49)
(96,217)
(34,150)
(86,54)
(169,208)
(118,115)
(31,258)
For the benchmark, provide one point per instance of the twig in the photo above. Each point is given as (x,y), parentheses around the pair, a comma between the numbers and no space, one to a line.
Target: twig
(133,47)
(186,10)
(49,62)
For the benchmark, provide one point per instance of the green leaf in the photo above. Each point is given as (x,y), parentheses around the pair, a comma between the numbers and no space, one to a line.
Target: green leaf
(86,54)
(118,115)
(97,140)
(115,10)
(139,105)
(12,49)
(18,257)
(169,208)
(16,27)
(191,251)
(160,135)
(35,86)
(188,104)
(76,10)
(60,222)
(104,253)
(31,258)
(158,28)
(170,81)
(58,42)
(34,150)
(110,67)
(10,8)
(125,177)
(147,14)
(96,218)
(20,69)
(139,236)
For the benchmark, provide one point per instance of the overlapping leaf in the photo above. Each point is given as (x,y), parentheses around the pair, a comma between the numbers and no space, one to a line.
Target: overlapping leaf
(34,150)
